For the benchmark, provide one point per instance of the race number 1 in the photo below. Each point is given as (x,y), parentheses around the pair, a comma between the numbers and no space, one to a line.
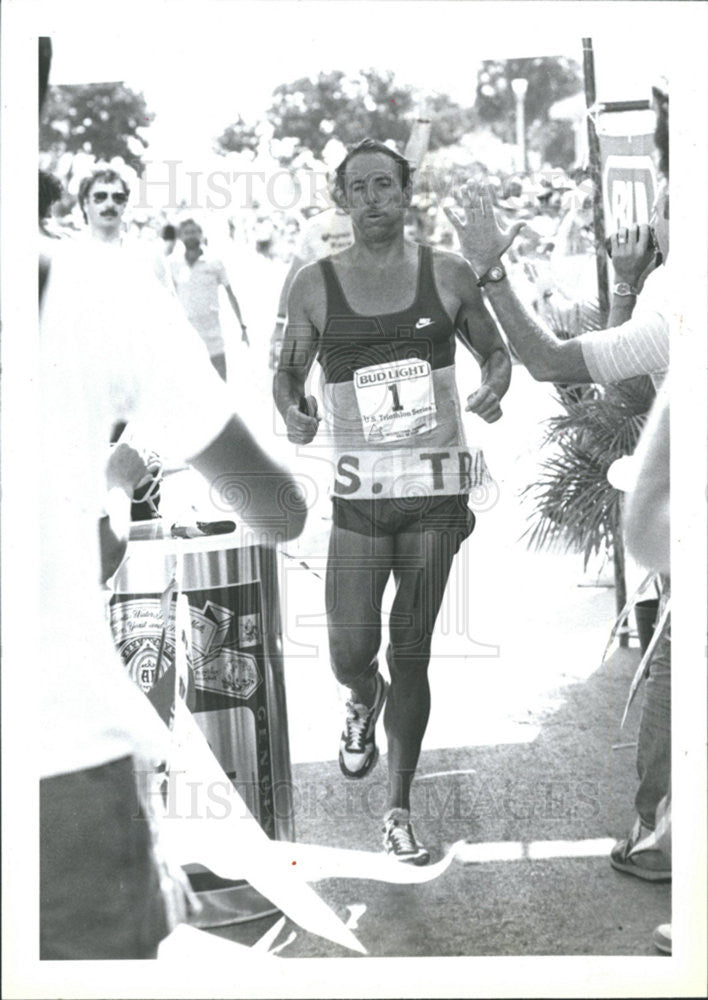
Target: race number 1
(396,400)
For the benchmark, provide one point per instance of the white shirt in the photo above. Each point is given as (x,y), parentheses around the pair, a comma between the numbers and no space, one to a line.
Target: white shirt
(638,347)
(197,287)
(114,346)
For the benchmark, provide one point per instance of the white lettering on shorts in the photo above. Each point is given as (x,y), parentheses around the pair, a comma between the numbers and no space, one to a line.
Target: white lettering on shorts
(410,472)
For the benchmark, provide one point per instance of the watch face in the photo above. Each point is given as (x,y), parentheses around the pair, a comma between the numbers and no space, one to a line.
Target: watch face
(496,273)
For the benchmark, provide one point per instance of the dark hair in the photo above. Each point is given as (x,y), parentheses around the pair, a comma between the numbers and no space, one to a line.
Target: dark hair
(372,146)
(660,94)
(168,232)
(50,190)
(105,174)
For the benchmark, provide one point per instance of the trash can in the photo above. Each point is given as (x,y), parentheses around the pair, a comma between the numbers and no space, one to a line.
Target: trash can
(237,688)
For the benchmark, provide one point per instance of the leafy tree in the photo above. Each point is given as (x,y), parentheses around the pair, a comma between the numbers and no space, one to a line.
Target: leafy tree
(550,78)
(555,141)
(239,137)
(312,111)
(102,119)
(308,112)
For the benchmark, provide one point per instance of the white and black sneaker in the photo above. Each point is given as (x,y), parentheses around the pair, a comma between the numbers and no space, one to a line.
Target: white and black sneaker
(400,841)
(358,752)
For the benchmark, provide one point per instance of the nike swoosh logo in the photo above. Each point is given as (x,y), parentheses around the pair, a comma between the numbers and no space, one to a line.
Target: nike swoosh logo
(424,322)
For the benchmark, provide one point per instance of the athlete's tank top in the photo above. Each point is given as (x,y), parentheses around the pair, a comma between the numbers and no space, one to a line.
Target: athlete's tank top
(390,398)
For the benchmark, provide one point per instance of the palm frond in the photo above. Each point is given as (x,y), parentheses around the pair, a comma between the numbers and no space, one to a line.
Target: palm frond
(573,504)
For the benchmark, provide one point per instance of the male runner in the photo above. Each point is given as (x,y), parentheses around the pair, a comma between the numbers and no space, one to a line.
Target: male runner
(330,231)
(381,317)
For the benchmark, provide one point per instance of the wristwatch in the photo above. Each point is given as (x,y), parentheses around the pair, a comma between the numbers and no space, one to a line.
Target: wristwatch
(495,273)
(623,288)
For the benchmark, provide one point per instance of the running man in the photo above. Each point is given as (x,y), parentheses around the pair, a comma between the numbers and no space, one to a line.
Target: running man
(381,317)
(330,231)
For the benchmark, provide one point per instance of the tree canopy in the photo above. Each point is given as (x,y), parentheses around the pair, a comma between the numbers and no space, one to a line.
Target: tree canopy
(102,119)
(550,78)
(307,113)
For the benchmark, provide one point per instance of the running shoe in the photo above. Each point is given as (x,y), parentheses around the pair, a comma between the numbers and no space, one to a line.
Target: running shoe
(662,938)
(629,857)
(358,752)
(400,841)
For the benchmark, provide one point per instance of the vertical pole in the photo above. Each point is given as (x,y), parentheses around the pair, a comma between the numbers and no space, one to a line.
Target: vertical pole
(602,289)
(521,132)
(596,175)
(520,85)
(620,581)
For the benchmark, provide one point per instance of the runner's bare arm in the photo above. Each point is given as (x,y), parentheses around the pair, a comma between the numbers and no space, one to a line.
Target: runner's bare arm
(478,332)
(296,357)
(279,327)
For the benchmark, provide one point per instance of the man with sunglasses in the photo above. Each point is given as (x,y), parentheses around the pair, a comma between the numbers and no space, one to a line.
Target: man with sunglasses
(103,196)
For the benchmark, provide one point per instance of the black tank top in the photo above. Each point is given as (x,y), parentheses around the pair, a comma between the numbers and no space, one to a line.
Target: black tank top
(351,340)
(389,396)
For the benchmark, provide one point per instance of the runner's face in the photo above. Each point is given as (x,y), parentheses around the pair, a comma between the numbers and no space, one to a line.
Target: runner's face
(105,206)
(373,195)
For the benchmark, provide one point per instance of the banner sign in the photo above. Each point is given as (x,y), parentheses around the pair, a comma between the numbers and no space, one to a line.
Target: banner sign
(628,179)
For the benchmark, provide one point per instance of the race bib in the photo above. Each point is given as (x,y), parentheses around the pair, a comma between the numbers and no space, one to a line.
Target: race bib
(396,400)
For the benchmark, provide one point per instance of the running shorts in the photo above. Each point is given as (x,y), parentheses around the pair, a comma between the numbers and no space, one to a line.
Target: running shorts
(394,515)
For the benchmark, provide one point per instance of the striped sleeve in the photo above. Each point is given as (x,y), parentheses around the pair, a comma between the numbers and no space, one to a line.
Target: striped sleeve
(641,345)
(637,347)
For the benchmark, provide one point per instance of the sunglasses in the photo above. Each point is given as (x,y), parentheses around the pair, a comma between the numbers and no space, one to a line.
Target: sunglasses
(118,197)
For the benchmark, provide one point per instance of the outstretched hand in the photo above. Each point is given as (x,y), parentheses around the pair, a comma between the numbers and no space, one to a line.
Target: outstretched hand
(481,239)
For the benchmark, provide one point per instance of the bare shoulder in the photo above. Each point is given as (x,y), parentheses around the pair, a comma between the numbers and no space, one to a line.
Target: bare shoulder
(455,280)
(451,268)
(308,281)
(307,296)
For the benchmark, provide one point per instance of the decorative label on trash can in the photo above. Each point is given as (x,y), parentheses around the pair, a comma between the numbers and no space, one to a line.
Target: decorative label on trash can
(137,629)
(235,689)
(232,673)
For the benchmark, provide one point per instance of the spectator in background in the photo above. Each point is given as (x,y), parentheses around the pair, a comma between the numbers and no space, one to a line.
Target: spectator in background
(168,238)
(103,196)
(197,277)
(168,235)
(50,192)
